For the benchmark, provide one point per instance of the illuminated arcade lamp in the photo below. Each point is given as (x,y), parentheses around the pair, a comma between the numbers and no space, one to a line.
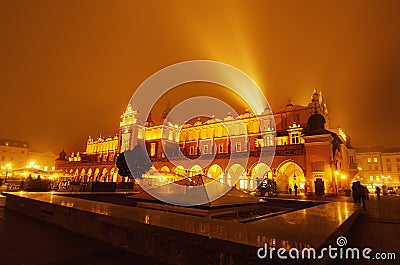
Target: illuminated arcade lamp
(8,167)
(294,172)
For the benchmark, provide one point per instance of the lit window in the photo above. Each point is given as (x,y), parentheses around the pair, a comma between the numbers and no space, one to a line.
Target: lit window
(153,149)
(369,160)
(295,138)
(360,168)
(375,160)
(205,149)
(220,148)
(238,147)
(270,141)
(243,182)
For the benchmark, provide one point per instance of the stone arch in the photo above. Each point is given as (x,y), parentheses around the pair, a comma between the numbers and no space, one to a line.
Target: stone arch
(180,171)
(96,173)
(83,172)
(258,172)
(90,172)
(288,173)
(112,173)
(164,169)
(104,174)
(196,170)
(215,171)
(237,174)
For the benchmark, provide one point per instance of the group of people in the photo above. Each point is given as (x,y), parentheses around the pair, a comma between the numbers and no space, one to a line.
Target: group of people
(360,193)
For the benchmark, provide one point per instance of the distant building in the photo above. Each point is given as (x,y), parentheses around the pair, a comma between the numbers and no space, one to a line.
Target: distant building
(309,154)
(13,154)
(378,166)
(42,160)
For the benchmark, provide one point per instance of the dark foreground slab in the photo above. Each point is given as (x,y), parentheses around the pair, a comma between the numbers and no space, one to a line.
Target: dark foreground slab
(184,239)
(29,241)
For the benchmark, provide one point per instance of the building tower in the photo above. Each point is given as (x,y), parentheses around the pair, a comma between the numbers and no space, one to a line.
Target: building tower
(131,129)
(318,103)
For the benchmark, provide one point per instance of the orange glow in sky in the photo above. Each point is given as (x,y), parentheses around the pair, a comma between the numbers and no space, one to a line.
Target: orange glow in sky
(68,68)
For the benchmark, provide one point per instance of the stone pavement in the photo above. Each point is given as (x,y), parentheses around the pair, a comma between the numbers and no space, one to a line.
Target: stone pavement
(378,227)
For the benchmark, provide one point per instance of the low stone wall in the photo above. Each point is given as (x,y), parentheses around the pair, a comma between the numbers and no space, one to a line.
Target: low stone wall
(182,239)
(166,245)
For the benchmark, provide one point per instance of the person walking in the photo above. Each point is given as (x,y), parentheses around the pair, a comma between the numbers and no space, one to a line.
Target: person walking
(362,194)
(295,189)
(354,189)
(378,192)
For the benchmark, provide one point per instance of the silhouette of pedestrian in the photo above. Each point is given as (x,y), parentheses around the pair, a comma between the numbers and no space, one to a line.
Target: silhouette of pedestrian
(354,189)
(290,191)
(378,192)
(362,194)
(295,189)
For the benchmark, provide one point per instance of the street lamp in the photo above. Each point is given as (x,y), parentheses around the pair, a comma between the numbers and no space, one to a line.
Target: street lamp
(8,167)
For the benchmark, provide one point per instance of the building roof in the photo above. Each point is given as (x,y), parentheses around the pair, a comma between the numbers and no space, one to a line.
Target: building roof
(14,143)
(380,149)
(289,108)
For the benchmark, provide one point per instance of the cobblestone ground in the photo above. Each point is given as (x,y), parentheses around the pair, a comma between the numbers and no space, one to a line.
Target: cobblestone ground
(377,228)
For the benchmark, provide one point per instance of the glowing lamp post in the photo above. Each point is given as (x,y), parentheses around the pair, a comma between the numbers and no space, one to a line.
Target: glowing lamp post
(344,176)
(8,167)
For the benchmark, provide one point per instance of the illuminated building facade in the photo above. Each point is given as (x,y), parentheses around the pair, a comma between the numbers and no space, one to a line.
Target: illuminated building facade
(97,163)
(16,158)
(307,154)
(378,167)
(42,160)
(13,154)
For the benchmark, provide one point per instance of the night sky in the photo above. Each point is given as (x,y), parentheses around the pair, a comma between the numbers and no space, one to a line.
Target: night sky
(69,68)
